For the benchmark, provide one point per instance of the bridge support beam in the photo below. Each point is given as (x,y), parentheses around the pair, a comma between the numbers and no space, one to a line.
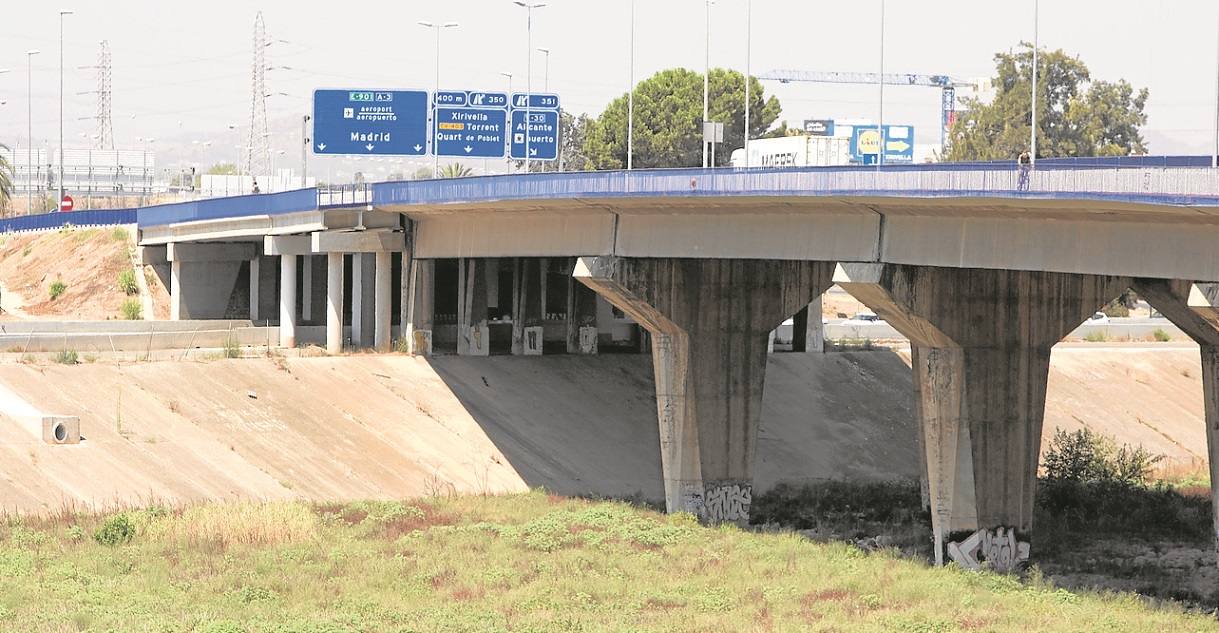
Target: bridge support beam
(710,321)
(363,298)
(981,343)
(334,303)
(1195,309)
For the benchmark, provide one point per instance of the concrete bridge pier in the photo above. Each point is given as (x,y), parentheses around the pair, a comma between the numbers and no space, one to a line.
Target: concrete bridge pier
(709,321)
(420,306)
(203,277)
(334,303)
(981,342)
(1195,309)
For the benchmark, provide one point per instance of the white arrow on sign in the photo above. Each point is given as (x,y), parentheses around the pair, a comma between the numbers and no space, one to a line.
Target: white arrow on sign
(469,149)
(369,147)
(533,151)
(418,147)
(321,147)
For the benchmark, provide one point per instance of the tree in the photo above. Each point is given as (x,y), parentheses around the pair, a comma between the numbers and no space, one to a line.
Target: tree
(455,170)
(6,180)
(423,173)
(1076,116)
(222,169)
(668,115)
(574,131)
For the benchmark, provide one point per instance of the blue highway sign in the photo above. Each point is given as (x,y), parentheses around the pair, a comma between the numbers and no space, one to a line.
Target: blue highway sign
(543,131)
(899,144)
(370,122)
(535,101)
(451,98)
(472,132)
(488,100)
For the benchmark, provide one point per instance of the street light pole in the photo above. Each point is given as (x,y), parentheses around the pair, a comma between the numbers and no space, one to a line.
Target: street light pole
(1215,152)
(1036,45)
(436,27)
(511,167)
(707,81)
(630,101)
(59,200)
(546,85)
(748,73)
(29,150)
(529,7)
(880,127)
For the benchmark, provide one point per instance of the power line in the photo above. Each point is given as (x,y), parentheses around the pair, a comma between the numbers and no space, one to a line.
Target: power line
(105,126)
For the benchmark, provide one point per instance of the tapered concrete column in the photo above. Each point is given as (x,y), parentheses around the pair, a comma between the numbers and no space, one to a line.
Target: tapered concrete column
(334,303)
(581,319)
(808,333)
(358,304)
(307,288)
(981,343)
(287,301)
(383,301)
(473,333)
(710,321)
(421,312)
(255,275)
(175,291)
(1195,309)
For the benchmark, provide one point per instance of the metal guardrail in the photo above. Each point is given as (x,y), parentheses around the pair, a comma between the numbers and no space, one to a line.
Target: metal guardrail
(45,221)
(344,196)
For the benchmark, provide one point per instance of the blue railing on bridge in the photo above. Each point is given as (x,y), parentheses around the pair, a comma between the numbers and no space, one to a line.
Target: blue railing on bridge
(44,221)
(1153,180)
(235,207)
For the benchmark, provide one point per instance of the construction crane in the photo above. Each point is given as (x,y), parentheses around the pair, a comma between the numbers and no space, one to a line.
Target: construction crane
(947,85)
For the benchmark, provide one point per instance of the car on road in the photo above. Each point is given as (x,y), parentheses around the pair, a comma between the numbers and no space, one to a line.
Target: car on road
(864,318)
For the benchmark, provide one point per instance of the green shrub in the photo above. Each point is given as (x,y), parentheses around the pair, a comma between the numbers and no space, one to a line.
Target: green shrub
(116,530)
(119,234)
(132,310)
(1088,456)
(66,357)
(57,288)
(127,282)
(232,349)
(1098,336)
(1161,336)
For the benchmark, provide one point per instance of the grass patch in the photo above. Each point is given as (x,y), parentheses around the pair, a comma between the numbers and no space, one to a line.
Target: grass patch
(56,289)
(131,309)
(1161,336)
(1096,336)
(232,349)
(127,282)
(119,234)
(66,357)
(528,562)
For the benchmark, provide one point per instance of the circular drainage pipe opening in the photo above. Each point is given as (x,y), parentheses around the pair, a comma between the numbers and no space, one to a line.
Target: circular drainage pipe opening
(61,433)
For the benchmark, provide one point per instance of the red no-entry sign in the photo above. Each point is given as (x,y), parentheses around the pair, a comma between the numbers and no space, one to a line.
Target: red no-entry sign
(67,203)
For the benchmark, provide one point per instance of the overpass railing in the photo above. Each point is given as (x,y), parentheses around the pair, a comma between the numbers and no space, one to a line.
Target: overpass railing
(45,221)
(1176,184)
(235,207)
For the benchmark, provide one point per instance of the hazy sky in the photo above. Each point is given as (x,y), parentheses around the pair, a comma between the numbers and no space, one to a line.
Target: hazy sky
(182,69)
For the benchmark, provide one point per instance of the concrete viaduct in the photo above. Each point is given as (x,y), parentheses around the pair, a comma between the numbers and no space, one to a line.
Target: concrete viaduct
(702,265)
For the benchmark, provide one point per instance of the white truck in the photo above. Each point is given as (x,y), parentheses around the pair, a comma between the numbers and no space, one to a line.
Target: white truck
(795,151)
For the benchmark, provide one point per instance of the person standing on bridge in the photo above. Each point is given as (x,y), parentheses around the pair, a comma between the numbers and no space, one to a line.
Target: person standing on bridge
(1024,163)
(256,189)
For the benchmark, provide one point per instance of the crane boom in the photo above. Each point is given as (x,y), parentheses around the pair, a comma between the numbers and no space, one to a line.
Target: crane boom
(891,79)
(948,86)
